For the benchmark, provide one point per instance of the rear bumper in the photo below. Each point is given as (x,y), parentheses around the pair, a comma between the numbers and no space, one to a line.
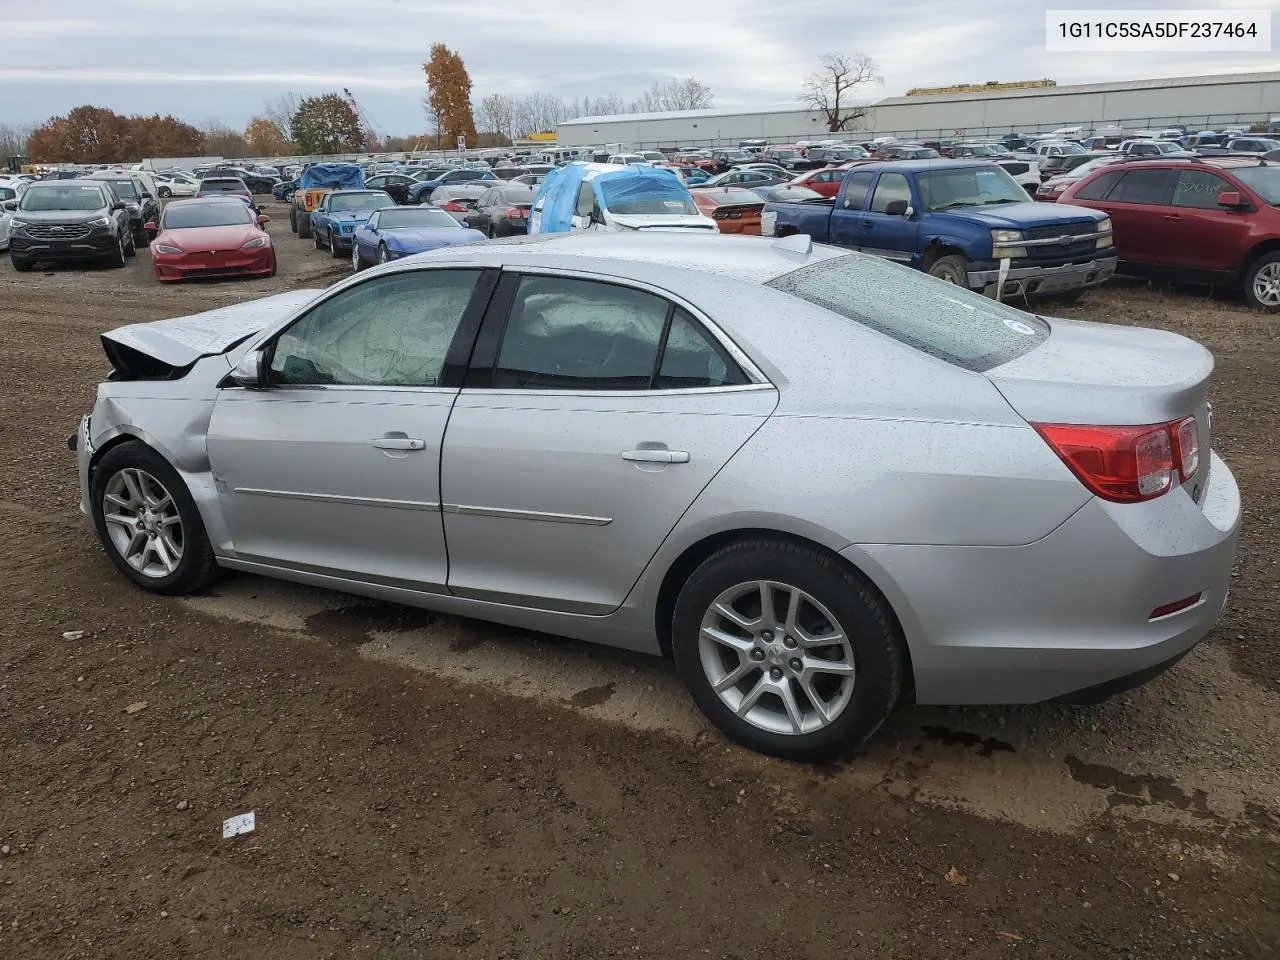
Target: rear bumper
(1041,281)
(1070,613)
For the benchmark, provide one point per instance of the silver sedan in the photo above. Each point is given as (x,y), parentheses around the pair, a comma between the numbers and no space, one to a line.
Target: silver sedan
(819,481)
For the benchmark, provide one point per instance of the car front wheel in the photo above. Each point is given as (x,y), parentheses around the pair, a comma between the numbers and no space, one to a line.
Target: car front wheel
(148,522)
(951,269)
(787,650)
(1262,282)
(383,255)
(356,263)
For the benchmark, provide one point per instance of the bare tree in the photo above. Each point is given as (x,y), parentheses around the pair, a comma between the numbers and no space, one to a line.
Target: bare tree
(496,114)
(831,90)
(687,93)
(13,139)
(433,120)
(281,110)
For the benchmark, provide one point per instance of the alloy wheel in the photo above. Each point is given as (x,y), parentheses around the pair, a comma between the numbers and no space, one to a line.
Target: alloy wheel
(776,657)
(1266,285)
(355,257)
(383,257)
(143,523)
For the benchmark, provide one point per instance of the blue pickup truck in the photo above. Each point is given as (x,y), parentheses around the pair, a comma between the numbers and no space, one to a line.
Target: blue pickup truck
(966,222)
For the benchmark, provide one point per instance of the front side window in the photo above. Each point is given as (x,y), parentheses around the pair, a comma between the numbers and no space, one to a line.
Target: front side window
(1198,189)
(855,191)
(586,200)
(388,332)
(1100,187)
(892,186)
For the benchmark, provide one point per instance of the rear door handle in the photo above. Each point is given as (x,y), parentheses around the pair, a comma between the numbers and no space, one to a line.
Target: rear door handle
(398,443)
(656,456)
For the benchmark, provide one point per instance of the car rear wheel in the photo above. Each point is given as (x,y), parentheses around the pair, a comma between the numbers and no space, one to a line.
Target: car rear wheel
(164,193)
(316,239)
(293,218)
(131,245)
(951,269)
(1262,282)
(786,650)
(304,225)
(148,522)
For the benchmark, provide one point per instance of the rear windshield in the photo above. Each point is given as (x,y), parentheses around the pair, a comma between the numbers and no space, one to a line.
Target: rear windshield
(226,185)
(125,188)
(63,197)
(794,194)
(937,318)
(218,213)
(457,175)
(645,196)
(1264,181)
(734,197)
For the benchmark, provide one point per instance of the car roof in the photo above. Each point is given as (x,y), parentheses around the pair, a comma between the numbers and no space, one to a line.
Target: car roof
(637,255)
(203,201)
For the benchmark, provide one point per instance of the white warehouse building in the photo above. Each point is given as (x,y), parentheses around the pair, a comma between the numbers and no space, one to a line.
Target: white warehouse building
(1200,102)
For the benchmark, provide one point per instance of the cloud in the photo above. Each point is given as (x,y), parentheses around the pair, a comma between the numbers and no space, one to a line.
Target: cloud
(228,61)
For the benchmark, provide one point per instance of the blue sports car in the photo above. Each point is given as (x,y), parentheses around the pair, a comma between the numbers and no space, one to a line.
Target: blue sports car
(334,221)
(396,232)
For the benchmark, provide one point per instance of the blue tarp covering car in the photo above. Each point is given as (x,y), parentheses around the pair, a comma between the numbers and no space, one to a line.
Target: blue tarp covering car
(631,197)
(333,176)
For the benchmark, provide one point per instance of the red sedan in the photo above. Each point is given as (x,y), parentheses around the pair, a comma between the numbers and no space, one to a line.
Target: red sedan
(211,237)
(734,210)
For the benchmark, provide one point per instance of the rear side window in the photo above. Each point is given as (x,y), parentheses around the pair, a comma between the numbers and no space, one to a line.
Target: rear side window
(937,318)
(1099,187)
(855,191)
(1145,186)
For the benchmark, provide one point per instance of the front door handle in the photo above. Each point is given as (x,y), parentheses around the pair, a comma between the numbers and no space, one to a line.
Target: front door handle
(656,456)
(398,443)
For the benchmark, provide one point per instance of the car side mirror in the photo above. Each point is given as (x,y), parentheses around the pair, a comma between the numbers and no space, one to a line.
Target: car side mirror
(251,371)
(118,205)
(263,219)
(898,208)
(11,205)
(1230,198)
(147,195)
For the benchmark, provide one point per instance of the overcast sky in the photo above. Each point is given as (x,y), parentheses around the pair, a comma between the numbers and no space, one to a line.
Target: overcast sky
(223,60)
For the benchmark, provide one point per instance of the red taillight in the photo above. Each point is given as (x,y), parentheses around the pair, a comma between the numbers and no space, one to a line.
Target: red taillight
(1126,464)
(515,213)
(454,207)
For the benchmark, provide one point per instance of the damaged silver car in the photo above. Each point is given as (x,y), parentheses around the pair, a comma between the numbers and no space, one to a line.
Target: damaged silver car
(817,479)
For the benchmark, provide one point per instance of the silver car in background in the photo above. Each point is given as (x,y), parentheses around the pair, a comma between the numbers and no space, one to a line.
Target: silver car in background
(818,480)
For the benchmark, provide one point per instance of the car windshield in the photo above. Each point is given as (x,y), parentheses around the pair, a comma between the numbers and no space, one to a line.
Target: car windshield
(63,197)
(1264,181)
(1168,147)
(1070,149)
(733,197)
(220,213)
(937,318)
(971,187)
(630,196)
(346,202)
(457,175)
(125,188)
(520,194)
(981,151)
(406,217)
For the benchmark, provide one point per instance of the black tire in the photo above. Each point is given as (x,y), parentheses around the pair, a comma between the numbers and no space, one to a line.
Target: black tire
(383,255)
(21,264)
(273,265)
(141,238)
(164,193)
(304,225)
(315,238)
(293,218)
(334,250)
(1251,277)
(877,645)
(131,245)
(951,269)
(489,232)
(197,567)
(116,257)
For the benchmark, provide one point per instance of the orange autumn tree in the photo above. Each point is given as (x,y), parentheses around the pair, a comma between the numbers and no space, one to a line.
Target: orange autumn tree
(448,97)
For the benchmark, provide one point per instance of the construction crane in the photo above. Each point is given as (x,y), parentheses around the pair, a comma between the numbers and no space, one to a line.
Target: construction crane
(372,142)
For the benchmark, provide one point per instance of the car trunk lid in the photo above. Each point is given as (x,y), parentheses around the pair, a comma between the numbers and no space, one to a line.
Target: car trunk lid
(1111,375)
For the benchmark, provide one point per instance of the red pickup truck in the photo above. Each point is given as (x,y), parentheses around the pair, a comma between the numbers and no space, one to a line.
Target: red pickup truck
(1208,220)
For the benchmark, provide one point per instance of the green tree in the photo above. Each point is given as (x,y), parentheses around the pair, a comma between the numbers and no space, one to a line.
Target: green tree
(449,97)
(326,124)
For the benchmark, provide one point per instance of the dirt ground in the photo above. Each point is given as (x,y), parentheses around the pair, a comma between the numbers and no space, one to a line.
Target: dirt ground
(431,787)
